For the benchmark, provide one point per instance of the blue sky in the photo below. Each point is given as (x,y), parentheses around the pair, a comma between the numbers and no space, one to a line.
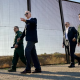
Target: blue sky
(76,0)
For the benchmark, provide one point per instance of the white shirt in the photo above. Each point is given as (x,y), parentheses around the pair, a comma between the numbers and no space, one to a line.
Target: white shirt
(29,18)
(66,34)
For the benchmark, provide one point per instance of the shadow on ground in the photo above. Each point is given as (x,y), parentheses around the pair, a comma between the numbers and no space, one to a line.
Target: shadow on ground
(50,75)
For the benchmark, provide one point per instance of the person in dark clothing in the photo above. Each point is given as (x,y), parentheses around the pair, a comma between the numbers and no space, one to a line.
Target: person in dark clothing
(70,41)
(30,32)
(19,50)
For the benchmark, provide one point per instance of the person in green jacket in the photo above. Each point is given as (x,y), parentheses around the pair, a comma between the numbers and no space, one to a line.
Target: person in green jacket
(19,50)
(78,35)
(79,31)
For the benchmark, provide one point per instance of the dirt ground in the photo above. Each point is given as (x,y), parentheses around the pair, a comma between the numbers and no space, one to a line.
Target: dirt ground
(49,72)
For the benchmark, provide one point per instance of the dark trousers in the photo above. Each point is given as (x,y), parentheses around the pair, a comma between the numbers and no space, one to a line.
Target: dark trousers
(67,54)
(30,52)
(18,53)
(70,50)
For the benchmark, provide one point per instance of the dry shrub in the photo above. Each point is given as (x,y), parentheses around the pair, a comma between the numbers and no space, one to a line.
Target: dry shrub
(5,66)
(45,59)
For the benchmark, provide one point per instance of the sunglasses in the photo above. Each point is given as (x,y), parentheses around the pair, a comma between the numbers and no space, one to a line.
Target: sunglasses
(26,14)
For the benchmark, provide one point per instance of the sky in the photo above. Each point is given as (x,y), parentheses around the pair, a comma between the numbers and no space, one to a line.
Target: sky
(76,0)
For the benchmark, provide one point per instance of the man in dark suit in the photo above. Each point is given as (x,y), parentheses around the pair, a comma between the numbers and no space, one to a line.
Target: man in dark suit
(30,32)
(70,41)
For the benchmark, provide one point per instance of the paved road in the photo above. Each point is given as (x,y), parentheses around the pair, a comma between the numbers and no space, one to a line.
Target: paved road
(52,72)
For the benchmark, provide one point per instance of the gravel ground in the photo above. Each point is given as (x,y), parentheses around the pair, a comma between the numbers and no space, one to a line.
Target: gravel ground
(50,72)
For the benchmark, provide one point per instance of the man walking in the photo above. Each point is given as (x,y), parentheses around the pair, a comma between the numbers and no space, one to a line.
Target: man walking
(70,41)
(79,31)
(30,32)
(19,50)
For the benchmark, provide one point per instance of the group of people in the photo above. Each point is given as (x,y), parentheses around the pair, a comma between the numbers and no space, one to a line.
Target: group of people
(30,33)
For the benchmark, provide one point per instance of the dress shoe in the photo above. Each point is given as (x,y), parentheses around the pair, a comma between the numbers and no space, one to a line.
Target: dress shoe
(12,70)
(71,66)
(26,71)
(37,71)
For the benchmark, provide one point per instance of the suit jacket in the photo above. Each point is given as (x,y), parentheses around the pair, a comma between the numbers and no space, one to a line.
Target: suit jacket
(31,30)
(72,33)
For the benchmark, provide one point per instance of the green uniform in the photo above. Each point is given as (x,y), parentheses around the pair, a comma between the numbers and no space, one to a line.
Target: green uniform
(18,52)
(79,34)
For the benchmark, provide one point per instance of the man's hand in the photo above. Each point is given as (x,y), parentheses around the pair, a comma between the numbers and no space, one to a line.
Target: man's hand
(22,19)
(74,39)
(62,45)
(16,46)
(18,39)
